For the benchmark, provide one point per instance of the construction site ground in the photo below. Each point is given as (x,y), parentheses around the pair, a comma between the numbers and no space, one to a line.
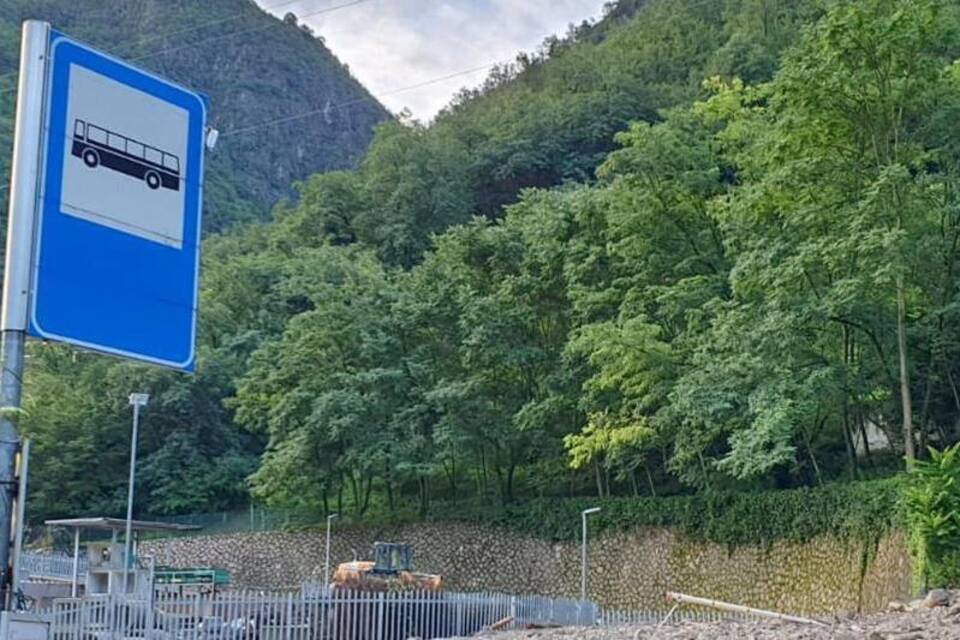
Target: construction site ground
(925,624)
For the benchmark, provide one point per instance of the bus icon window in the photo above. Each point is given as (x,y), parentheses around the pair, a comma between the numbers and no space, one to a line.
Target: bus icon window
(97,146)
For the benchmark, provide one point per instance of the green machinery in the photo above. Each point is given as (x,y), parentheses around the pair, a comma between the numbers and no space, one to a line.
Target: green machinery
(191,576)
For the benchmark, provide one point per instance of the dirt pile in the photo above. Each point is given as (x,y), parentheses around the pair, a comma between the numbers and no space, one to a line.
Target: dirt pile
(936,617)
(925,625)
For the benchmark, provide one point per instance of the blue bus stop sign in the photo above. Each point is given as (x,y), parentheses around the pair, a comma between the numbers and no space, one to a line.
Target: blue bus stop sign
(117,243)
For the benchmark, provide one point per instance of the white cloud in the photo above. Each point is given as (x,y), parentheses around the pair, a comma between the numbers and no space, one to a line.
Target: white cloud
(391,44)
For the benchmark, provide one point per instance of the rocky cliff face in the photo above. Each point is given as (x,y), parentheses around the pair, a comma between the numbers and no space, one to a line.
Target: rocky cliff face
(627,570)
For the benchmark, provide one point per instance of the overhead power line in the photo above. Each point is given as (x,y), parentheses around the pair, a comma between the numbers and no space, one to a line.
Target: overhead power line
(224,36)
(235,16)
(314,112)
(264,27)
(203,25)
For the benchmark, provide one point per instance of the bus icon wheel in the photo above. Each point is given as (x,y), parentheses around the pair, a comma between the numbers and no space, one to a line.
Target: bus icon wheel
(153,179)
(91,158)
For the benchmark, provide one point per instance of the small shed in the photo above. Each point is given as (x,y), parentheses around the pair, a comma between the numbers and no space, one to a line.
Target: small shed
(108,571)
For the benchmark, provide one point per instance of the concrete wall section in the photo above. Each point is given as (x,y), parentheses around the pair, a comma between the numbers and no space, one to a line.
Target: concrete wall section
(628,570)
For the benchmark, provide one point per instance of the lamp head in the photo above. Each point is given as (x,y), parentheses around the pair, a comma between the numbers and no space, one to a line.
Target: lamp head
(211,138)
(139,399)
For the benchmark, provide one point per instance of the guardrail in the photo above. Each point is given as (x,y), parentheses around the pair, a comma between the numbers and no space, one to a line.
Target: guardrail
(51,566)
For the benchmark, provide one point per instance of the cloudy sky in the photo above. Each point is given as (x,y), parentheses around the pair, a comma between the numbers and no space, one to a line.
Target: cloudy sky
(392,44)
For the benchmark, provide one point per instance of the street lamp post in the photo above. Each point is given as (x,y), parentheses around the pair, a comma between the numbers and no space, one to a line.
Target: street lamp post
(326,562)
(137,400)
(583,555)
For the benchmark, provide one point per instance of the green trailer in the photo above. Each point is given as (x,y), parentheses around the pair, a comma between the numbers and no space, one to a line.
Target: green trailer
(191,576)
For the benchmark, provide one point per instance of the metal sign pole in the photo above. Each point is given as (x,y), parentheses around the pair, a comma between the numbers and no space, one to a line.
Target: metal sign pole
(137,400)
(23,473)
(583,552)
(75,578)
(326,561)
(16,280)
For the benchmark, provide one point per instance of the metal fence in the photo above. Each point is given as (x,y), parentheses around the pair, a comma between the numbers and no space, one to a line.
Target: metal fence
(319,613)
(242,520)
(57,566)
(525,610)
(306,615)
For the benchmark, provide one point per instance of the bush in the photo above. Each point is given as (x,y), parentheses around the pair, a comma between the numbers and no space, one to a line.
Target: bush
(932,506)
(861,511)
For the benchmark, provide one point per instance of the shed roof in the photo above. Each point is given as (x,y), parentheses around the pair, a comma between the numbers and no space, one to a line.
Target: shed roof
(119,524)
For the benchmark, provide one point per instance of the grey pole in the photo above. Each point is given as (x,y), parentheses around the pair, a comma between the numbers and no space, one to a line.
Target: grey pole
(326,561)
(23,471)
(583,553)
(76,563)
(137,400)
(16,279)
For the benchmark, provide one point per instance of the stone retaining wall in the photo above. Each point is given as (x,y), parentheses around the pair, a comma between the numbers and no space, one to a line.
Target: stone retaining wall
(627,570)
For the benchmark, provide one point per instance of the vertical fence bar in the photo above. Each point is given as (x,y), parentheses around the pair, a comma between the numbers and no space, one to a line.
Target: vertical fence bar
(458,628)
(331,614)
(427,614)
(401,610)
(314,612)
(348,606)
(76,615)
(324,613)
(380,619)
(108,614)
(297,617)
(479,610)
(431,615)
(363,614)
(414,613)
(351,610)
(367,615)
(215,612)
(424,614)
(287,628)
(355,614)
(196,616)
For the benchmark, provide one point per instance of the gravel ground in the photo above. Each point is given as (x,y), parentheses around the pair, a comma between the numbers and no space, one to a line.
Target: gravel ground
(926,624)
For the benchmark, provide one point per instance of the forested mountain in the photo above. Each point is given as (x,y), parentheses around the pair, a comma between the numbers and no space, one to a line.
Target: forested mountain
(253,67)
(694,246)
(551,116)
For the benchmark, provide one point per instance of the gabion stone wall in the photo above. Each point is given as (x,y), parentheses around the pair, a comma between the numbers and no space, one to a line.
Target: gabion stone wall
(627,570)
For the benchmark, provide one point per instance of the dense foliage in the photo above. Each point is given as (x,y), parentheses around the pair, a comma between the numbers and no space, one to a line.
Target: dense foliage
(754,282)
(855,512)
(698,248)
(932,509)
